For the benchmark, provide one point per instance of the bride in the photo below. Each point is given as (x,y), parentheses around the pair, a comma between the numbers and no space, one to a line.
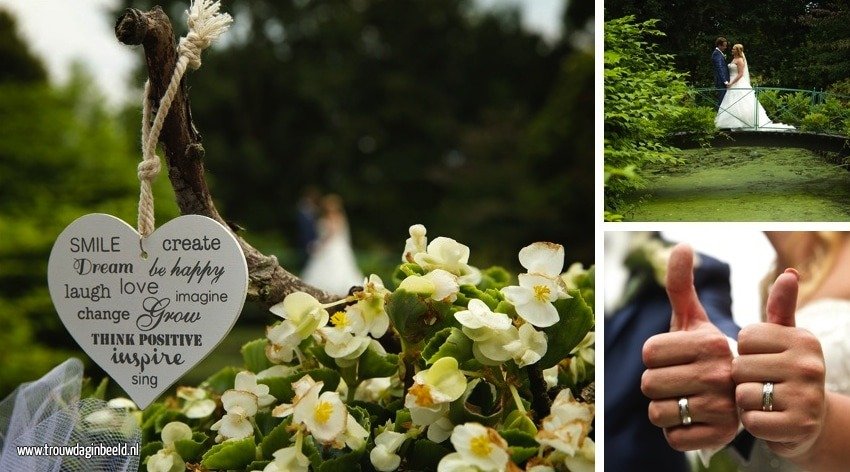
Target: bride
(331,266)
(740,107)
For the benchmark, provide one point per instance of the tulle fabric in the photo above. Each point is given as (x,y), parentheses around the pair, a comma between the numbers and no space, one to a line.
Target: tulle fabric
(49,411)
(740,107)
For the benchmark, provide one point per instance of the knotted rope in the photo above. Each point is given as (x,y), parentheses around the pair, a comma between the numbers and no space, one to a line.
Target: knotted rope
(205,25)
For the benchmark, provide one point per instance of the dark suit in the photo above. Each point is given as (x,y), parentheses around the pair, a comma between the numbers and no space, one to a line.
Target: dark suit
(721,74)
(632,443)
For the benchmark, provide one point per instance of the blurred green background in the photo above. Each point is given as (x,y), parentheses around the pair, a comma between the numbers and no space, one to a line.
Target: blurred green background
(438,112)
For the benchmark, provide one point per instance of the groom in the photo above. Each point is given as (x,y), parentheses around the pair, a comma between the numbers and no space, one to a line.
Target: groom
(721,70)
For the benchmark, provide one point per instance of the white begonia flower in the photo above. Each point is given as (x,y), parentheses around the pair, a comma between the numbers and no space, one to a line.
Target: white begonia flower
(371,302)
(196,402)
(568,424)
(446,285)
(236,424)
(301,387)
(496,348)
(530,347)
(247,382)
(585,458)
(455,462)
(324,415)
(479,320)
(374,390)
(533,299)
(383,456)
(276,371)
(415,244)
(451,256)
(550,375)
(345,337)
(283,342)
(290,459)
(481,446)
(355,434)
(542,468)
(438,285)
(167,459)
(304,312)
(440,430)
(433,389)
(546,259)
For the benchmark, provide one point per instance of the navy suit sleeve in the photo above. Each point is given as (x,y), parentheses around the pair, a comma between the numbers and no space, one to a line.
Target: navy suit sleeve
(711,279)
(720,70)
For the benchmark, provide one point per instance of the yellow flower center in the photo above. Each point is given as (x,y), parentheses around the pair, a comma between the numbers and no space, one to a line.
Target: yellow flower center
(480,446)
(339,319)
(322,412)
(541,292)
(422,393)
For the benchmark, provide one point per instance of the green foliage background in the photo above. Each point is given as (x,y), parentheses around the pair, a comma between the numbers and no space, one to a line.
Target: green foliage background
(415,111)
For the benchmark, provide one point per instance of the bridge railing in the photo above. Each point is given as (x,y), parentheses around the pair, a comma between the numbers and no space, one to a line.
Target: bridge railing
(807,110)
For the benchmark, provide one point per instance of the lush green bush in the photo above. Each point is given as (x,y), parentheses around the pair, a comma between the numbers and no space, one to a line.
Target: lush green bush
(795,106)
(645,99)
(815,122)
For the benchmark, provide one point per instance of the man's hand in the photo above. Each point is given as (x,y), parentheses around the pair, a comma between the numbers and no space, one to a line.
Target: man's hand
(790,358)
(692,361)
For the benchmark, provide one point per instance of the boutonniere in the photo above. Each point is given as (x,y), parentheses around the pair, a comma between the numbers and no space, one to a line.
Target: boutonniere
(647,263)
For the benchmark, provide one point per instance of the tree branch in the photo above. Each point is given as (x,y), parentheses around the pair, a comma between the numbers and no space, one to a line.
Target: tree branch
(269,283)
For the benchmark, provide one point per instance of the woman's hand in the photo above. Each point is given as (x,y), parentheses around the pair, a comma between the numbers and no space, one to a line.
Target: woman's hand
(791,359)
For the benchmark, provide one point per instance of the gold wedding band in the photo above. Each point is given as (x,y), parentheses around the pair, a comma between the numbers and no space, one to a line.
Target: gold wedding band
(767,397)
(684,412)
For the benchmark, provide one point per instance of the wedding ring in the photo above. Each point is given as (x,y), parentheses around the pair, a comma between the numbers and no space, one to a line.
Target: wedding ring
(767,397)
(684,412)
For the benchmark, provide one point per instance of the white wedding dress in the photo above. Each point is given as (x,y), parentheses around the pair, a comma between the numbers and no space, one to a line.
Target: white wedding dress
(332,266)
(829,320)
(740,107)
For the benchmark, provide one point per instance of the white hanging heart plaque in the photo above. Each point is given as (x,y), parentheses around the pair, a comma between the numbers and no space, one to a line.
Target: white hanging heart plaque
(147,317)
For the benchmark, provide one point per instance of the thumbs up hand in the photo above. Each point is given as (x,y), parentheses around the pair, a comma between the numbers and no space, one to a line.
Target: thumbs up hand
(693,362)
(789,412)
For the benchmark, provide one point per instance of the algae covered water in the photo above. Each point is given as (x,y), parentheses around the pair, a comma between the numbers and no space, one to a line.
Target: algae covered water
(745,184)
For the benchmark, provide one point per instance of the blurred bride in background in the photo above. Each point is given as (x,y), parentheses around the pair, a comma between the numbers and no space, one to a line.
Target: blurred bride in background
(331,266)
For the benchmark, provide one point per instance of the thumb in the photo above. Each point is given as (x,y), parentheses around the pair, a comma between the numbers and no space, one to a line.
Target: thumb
(687,310)
(782,299)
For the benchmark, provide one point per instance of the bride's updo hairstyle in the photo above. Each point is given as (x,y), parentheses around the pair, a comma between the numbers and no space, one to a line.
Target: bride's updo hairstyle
(819,250)
(738,50)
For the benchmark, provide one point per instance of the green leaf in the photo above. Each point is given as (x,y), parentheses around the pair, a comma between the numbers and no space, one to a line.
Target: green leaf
(343,463)
(425,455)
(254,355)
(404,271)
(281,387)
(231,454)
(276,439)
(576,319)
(402,420)
(191,449)
(449,342)
(149,417)
(417,318)
(373,364)
(266,422)
(490,297)
(221,381)
(495,278)
(519,421)
(479,403)
(522,445)
(319,353)
(258,465)
(522,454)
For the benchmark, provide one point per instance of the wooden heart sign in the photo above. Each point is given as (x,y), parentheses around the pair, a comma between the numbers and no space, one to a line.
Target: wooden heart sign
(147,310)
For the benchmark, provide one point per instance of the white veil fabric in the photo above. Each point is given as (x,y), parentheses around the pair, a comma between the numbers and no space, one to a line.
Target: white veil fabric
(49,412)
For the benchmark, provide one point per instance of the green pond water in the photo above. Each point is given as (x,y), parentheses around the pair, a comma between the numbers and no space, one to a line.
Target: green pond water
(745,184)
